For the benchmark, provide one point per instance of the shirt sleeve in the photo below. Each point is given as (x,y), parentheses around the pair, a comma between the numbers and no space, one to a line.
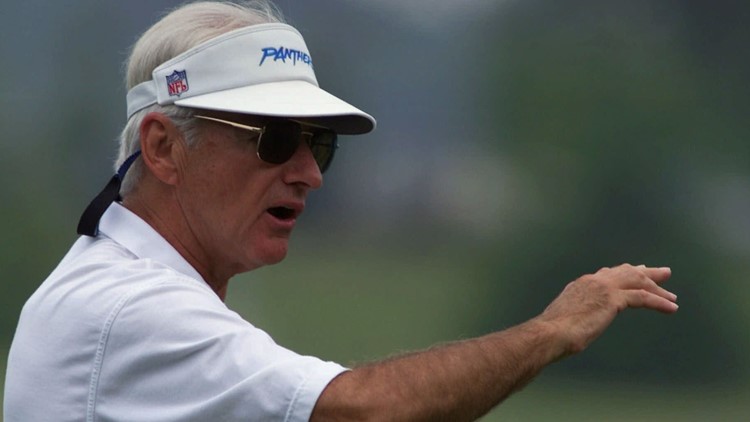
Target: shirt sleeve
(173,351)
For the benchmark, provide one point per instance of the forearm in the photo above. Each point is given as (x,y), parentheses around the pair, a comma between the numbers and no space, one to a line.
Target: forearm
(464,380)
(457,381)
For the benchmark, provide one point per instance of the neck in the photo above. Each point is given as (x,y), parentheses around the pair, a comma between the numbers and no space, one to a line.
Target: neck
(171,224)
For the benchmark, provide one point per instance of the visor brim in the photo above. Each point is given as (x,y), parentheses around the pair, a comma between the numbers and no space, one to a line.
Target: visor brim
(299,100)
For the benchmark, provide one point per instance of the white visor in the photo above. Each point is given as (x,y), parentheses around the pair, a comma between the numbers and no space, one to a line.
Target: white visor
(263,70)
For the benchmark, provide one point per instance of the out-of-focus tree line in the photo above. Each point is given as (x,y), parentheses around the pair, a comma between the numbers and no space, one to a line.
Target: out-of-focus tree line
(519,145)
(630,124)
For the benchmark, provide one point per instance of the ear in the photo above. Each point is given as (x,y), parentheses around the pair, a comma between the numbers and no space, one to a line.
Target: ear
(162,147)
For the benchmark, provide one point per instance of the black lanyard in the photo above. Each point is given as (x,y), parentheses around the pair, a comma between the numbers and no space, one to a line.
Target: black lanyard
(89,223)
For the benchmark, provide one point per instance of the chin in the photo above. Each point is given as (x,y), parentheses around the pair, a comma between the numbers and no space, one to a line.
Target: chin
(272,254)
(275,259)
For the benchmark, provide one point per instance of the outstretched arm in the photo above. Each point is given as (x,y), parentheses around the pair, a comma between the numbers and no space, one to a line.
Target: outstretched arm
(462,381)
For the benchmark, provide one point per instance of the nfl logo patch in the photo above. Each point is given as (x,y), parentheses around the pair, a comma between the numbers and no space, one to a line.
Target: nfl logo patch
(177,83)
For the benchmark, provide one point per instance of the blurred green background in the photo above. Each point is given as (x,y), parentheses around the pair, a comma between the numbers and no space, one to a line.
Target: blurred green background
(519,145)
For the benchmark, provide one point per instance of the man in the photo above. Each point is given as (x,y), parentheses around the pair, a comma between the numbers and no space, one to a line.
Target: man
(227,133)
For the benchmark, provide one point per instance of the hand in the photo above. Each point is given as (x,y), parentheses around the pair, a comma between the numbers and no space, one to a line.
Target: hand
(588,305)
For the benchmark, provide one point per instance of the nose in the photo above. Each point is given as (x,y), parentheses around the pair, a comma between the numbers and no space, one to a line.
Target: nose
(303,169)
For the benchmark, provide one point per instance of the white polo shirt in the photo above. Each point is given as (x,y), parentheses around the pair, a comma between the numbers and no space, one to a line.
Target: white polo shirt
(124,329)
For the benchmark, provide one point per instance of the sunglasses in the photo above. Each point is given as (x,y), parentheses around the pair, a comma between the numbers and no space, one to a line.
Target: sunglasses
(278,140)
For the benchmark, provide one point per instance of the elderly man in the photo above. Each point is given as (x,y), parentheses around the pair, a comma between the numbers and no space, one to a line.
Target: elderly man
(227,133)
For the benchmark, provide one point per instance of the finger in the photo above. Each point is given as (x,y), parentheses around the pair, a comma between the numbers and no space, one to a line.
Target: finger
(660,291)
(659,275)
(640,277)
(648,300)
(646,283)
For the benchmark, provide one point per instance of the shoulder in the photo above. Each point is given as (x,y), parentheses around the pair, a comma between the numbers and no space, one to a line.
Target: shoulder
(177,346)
(99,279)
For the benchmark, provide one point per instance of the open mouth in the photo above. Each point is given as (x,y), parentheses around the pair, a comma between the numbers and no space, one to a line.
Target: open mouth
(283,213)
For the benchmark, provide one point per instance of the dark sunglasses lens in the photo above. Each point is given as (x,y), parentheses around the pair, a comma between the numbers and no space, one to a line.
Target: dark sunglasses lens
(279,142)
(323,145)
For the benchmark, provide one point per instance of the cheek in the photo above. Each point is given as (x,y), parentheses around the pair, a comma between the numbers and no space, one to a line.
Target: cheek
(212,196)
(240,200)
(219,175)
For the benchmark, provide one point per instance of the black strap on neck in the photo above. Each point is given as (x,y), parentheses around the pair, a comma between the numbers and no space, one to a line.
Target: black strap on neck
(89,223)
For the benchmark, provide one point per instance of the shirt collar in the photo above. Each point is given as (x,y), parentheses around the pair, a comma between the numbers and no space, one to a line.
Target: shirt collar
(126,228)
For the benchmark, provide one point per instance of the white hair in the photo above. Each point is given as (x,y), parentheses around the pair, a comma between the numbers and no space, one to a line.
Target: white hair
(180,30)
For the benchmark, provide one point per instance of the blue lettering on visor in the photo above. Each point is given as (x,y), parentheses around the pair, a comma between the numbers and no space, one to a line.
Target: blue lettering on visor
(285,54)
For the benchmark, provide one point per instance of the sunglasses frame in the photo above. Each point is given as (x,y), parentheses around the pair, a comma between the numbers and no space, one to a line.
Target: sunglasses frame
(262,130)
